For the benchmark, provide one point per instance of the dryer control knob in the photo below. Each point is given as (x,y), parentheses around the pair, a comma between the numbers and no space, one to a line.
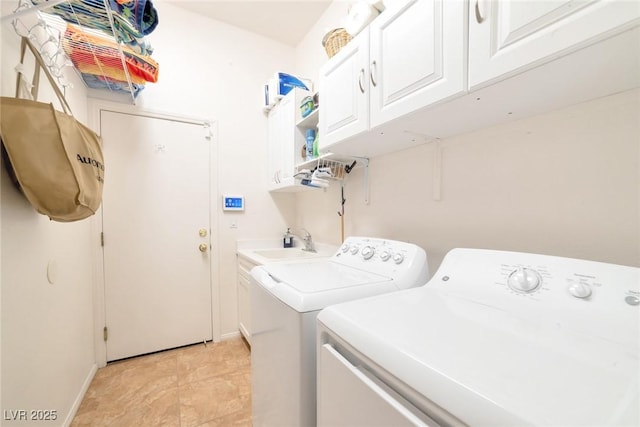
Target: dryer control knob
(580,290)
(345,248)
(385,255)
(398,258)
(525,280)
(354,250)
(367,252)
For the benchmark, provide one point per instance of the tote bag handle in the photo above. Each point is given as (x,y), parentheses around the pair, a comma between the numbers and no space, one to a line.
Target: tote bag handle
(36,76)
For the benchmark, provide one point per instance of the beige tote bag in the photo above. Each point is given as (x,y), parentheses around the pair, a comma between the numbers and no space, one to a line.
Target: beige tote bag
(56,160)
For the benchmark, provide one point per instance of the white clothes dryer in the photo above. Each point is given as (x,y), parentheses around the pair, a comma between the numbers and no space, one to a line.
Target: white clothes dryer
(494,338)
(285,301)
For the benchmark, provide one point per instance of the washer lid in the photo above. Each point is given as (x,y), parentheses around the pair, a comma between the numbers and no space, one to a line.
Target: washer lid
(487,366)
(321,276)
(313,285)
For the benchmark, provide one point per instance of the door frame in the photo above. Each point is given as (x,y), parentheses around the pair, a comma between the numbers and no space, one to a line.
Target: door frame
(95,108)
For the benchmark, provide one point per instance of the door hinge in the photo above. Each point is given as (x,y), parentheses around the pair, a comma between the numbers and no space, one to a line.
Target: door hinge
(102,238)
(105,333)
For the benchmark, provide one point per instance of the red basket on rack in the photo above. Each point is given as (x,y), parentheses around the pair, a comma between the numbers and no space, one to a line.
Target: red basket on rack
(92,54)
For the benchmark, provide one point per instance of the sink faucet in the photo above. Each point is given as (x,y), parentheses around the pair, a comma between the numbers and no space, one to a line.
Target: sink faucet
(308,242)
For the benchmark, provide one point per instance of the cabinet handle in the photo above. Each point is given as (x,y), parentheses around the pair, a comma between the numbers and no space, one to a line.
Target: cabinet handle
(479,17)
(360,77)
(373,68)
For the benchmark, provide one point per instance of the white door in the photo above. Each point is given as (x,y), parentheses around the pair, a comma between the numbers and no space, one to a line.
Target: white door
(417,57)
(344,92)
(155,205)
(509,36)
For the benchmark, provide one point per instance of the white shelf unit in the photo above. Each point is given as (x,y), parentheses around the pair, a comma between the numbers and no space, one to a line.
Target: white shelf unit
(311,121)
(289,165)
(308,122)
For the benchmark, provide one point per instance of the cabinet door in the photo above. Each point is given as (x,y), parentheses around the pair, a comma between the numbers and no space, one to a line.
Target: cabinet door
(344,93)
(244,309)
(509,36)
(287,135)
(281,136)
(417,57)
(274,147)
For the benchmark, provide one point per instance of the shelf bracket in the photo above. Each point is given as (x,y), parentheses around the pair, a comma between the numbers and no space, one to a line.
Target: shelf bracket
(365,162)
(437,162)
(437,172)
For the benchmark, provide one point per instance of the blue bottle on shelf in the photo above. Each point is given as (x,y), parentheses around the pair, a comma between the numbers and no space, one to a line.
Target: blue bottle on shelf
(310,136)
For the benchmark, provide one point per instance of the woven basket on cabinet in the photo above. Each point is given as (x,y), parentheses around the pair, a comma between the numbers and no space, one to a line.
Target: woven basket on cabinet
(334,40)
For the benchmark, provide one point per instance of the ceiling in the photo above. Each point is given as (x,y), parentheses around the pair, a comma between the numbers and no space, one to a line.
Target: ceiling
(284,21)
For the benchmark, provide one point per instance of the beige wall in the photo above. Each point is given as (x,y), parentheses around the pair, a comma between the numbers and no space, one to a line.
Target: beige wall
(310,54)
(564,183)
(47,329)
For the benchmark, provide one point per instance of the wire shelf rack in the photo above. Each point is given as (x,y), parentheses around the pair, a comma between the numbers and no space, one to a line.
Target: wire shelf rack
(86,39)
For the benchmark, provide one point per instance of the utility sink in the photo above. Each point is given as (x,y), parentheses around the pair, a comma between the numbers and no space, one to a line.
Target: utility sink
(286,253)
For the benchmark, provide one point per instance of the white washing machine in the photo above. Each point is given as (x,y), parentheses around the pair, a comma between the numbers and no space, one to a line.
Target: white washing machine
(494,338)
(285,300)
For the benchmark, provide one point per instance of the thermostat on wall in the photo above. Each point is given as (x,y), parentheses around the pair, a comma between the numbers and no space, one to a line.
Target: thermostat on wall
(232,203)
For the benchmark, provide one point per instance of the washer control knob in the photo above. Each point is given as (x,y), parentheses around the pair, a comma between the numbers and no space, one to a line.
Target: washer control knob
(345,248)
(632,300)
(398,258)
(524,280)
(385,255)
(367,252)
(580,290)
(354,250)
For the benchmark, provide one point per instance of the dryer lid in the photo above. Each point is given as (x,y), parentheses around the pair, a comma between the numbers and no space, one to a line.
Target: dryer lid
(487,366)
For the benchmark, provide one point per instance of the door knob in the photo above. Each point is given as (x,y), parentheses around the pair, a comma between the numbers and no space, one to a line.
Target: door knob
(202,232)
(203,247)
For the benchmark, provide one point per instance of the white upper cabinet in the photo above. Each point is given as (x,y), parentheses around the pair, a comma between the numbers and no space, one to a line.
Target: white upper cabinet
(429,69)
(413,55)
(510,36)
(344,92)
(417,57)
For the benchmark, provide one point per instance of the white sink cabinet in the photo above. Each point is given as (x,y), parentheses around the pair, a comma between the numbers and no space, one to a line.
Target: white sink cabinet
(411,56)
(244,312)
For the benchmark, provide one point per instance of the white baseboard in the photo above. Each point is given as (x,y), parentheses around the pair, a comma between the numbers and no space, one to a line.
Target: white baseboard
(230,336)
(81,393)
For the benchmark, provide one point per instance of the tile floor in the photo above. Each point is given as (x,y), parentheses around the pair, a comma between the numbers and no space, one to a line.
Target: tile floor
(187,387)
